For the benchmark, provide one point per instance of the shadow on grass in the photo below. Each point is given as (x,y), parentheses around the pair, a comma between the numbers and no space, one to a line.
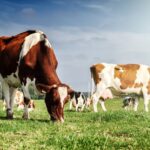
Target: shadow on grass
(84,111)
(3,118)
(21,119)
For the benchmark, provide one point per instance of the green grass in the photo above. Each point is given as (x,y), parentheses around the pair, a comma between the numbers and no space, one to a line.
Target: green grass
(114,129)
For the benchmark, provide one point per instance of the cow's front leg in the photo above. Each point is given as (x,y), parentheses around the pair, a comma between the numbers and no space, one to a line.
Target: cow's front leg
(95,101)
(26,111)
(26,102)
(136,103)
(103,105)
(146,102)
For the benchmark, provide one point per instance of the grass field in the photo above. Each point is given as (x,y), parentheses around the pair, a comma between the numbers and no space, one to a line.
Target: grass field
(114,129)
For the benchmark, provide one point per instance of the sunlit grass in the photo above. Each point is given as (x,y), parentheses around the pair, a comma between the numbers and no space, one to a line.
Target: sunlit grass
(114,129)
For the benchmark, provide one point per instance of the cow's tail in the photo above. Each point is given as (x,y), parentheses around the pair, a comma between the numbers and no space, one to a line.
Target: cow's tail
(91,83)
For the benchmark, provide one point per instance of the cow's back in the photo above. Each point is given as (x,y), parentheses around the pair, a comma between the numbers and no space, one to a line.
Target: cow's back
(131,77)
(10,48)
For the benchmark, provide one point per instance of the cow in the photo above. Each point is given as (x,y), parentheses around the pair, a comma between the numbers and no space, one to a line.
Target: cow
(29,59)
(129,101)
(19,102)
(121,79)
(77,100)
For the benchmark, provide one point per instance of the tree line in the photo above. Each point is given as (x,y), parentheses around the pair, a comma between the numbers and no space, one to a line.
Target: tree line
(33,94)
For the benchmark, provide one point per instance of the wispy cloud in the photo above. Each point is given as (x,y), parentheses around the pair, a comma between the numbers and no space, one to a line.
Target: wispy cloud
(98,7)
(28,11)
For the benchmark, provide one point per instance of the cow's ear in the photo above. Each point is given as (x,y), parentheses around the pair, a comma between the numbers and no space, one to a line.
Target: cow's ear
(70,90)
(45,88)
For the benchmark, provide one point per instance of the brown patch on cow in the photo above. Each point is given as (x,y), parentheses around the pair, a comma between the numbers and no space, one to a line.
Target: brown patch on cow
(127,75)
(95,70)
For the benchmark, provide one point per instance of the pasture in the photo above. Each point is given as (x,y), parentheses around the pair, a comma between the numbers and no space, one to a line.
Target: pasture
(114,129)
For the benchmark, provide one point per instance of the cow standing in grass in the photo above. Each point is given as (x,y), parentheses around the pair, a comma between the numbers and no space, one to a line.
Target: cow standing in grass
(28,59)
(77,100)
(122,79)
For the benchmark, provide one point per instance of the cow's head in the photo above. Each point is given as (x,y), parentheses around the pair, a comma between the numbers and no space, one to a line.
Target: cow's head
(56,97)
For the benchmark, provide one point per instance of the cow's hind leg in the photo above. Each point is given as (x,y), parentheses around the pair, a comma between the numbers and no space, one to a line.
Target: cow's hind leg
(146,102)
(136,103)
(95,101)
(103,105)
(9,114)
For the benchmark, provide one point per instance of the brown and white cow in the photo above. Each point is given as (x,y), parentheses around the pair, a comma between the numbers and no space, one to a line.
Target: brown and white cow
(28,58)
(122,79)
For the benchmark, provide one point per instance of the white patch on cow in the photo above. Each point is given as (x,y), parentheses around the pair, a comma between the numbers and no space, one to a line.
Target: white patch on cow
(41,32)
(63,94)
(30,41)
(47,43)
(140,77)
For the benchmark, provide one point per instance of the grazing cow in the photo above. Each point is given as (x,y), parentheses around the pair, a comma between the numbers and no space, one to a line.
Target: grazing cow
(122,80)
(28,59)
(78,100)
(129,101)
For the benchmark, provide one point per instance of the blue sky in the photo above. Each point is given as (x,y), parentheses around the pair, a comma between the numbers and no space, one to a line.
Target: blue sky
(84,32)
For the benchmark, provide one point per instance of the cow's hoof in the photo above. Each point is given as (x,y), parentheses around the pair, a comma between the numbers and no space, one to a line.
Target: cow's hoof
(10,117)
(9,114)
(25,116)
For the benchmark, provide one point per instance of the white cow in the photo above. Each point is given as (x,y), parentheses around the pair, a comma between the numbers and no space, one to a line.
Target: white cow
(123,79)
